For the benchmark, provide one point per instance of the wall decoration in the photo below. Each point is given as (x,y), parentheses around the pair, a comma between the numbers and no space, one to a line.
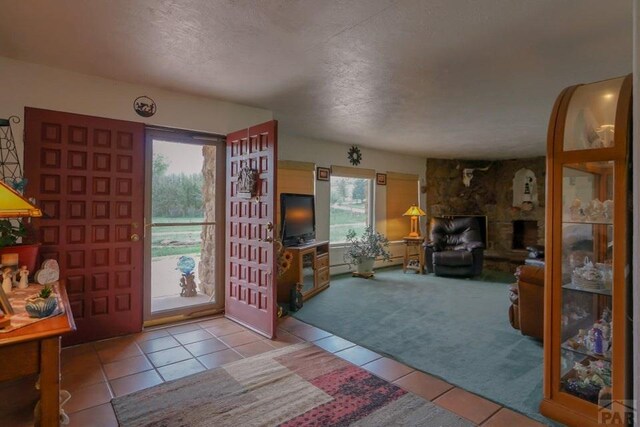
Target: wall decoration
(144,106)
(467,174)
(381,178)
(354,155)
(525,190)
(10,168)
(323,174)
(247,180)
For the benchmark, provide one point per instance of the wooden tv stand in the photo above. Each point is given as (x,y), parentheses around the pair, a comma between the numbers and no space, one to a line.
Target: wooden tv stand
(309,266)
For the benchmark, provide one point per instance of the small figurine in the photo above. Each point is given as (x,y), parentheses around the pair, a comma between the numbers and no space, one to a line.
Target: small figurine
(48,273)
(7,280)
(23,273)
(295,302)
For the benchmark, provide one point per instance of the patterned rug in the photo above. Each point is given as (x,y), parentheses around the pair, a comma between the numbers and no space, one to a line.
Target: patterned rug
(298,385)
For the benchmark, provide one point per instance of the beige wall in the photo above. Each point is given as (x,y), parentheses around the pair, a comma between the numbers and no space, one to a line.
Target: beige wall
(26,84)
(327,153)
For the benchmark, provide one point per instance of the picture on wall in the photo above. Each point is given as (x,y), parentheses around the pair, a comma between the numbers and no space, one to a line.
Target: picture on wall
(322,174)
(381,178)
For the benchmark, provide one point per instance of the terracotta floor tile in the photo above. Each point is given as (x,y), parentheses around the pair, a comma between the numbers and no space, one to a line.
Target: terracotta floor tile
(124,367)
(289,323)
(168,356)
(240,338)
(284,339)
(98,416)
(201,348)
(119,352)
(358,355)
(180,329)
(212,322)
(225,328)
(151,335)
(80,363)
(88,397)
(135,382)
(76,378)
(309,333)
(180,369)
(158,344)
(193,336)
(113,342)
(388,369)
(253,348)
(333,343)
(467,405)
(508,418)
(219,358)
(77,350)
(424,385)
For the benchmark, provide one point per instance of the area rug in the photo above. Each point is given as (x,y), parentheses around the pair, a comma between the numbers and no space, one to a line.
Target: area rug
(455,329)
(298,385)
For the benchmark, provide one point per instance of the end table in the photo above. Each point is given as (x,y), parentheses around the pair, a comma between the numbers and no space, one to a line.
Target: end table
(413,254)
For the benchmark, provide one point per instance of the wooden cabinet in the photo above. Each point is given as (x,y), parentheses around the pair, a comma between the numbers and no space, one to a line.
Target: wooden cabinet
(587,361)
(310,267)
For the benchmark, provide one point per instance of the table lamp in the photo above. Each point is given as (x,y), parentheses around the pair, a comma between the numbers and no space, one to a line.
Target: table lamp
(13,205)
(414,212)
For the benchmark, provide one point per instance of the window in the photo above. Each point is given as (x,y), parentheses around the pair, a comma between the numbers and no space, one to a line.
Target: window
(402,192)
(351,206)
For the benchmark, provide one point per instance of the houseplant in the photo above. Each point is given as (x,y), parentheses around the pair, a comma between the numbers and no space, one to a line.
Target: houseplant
(42,304)
(362,251)
(10,232)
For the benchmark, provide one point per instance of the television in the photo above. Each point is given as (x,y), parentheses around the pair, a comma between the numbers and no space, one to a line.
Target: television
(297,219)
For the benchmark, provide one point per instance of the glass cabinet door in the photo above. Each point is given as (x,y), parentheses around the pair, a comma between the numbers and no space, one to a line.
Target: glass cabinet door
(591,116)
(587,279)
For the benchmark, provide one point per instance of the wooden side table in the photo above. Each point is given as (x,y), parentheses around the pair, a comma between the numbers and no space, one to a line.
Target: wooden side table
(35,349)
(413,254)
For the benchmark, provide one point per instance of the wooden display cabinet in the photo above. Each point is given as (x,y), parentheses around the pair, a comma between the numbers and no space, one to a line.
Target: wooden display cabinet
(310,267)
(587,361)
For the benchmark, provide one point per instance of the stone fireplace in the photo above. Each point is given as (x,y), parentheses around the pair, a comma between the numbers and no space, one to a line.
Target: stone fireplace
(510,229)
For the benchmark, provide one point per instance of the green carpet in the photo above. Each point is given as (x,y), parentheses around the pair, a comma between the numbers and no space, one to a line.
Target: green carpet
(455,329)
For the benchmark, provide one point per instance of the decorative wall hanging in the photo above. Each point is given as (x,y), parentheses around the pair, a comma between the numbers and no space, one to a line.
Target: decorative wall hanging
(247,180)
(10,168)
(467,174)
(323,174)
(144,106)
(354,155)
(381,178)
(525,189)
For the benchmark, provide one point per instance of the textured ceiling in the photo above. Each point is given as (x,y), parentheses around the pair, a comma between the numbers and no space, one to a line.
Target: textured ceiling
(442,78)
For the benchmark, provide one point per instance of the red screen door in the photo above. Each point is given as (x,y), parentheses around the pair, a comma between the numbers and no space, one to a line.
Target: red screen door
(250,273)
(86,174)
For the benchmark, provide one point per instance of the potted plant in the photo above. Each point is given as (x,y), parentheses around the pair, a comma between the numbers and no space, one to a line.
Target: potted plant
(43,304)
(362,251)
(10,232)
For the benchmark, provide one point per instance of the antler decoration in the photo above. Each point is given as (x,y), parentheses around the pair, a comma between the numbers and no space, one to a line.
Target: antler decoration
(467,174)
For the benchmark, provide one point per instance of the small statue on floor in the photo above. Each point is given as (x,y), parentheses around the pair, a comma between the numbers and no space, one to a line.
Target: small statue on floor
(188,285)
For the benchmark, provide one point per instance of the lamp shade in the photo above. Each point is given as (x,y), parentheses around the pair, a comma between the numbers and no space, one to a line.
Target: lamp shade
(13,205)
(414,211)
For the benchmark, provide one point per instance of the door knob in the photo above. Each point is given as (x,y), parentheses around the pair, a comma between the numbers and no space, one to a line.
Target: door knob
(135,237)
(268,240)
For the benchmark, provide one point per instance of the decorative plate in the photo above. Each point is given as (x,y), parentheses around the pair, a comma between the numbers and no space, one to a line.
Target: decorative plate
(354,155)
(144,106)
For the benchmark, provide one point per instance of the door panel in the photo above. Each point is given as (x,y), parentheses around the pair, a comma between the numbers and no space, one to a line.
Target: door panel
(86,174)
(250,273)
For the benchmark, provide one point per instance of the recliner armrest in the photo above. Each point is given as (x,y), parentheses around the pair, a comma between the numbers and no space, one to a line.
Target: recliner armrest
(474,245)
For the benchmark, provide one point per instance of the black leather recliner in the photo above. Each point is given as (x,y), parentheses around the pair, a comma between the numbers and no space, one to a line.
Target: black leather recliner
(455,248)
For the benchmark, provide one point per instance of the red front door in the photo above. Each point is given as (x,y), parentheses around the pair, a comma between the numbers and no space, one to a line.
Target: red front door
(87,175)
(250,273)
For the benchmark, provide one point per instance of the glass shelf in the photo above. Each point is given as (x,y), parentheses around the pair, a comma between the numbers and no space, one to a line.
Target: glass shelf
(571,287)
(583,351)
(588,222)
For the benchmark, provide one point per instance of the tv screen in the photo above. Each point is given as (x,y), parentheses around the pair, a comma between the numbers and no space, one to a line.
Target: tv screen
(297,218)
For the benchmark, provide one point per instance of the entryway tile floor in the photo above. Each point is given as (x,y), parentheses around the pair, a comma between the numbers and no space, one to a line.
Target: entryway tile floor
(94,373)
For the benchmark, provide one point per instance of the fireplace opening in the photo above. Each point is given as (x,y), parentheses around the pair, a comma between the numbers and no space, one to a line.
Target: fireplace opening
(525,233)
